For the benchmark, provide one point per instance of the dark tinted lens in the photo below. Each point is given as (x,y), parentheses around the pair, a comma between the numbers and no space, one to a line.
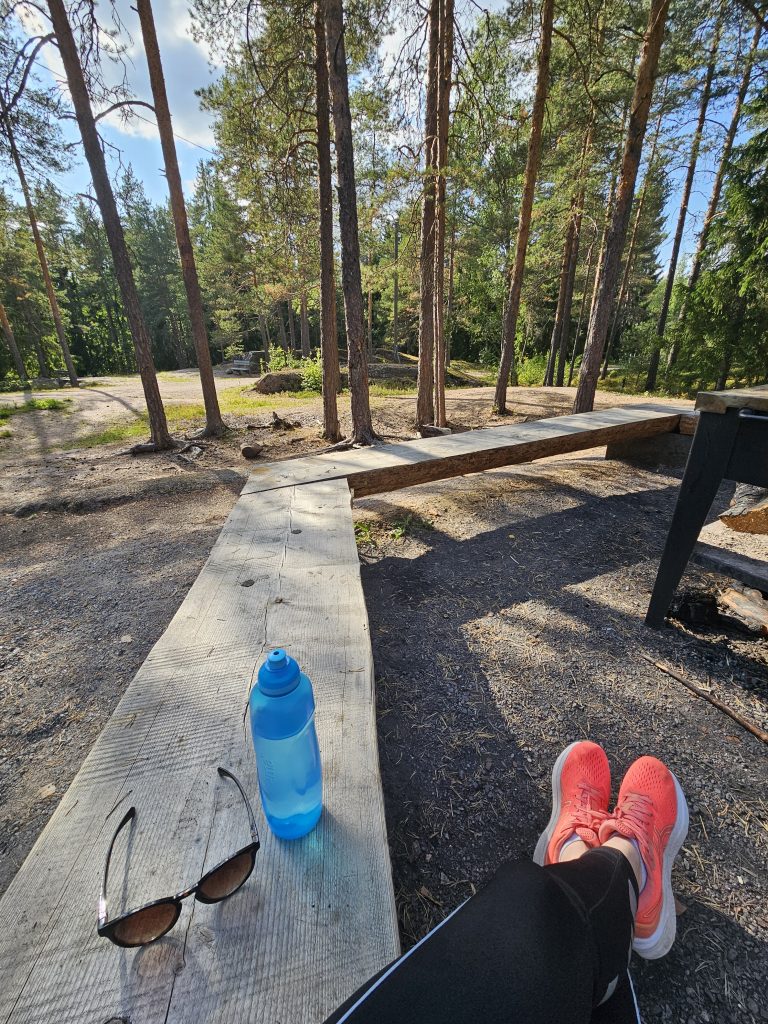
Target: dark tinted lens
(225,879)
(146,925)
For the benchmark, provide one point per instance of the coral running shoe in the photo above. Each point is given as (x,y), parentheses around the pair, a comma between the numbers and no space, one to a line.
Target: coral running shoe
(651,811)
(581,788)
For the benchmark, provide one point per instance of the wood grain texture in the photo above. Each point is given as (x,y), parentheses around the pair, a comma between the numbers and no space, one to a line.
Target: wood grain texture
(738,398)
(751,571)
(388,467)
(317,917)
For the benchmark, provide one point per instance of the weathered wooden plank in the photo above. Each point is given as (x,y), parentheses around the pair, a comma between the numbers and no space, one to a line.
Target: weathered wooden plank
(737,398)
(388,467)
(750,571)
(317,917)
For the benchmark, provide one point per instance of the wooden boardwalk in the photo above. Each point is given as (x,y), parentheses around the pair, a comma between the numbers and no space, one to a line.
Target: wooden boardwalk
(317,916)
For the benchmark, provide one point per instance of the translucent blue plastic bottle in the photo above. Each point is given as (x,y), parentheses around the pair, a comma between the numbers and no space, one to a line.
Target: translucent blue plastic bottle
(287,754)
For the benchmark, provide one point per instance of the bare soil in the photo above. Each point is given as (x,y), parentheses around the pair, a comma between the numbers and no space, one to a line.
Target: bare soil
(506,613)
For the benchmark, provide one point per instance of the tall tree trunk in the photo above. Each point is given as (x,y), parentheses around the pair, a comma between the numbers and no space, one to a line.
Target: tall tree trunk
(559,340)
(291,325)
(449,303)
(507,363)
(214,424)
(281,327)
(264,331)
(445,70)
(352,288)
(13,348)
(706,92)
(50,291)
(630,258)
(329,346)
(425,405)
(161,438)
(608,271)
(717,185)
(582,307)
(369,326)
(304,327)
(396,295)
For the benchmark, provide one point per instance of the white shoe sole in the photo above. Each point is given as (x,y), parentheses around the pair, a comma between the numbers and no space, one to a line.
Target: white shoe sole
(660,943)
(541,846)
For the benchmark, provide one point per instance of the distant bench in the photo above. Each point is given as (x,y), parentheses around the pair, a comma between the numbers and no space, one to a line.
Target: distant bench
(249,363)
(317,917)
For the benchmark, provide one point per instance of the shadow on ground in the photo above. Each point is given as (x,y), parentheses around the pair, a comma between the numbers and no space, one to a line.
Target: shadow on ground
(514,627)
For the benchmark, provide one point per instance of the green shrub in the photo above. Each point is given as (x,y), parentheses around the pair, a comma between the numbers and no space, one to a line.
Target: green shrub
(530,373)
(312,373)
(279,359)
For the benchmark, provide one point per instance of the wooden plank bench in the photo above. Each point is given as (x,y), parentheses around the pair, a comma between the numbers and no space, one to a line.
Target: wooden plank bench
(389,467)
(317,917)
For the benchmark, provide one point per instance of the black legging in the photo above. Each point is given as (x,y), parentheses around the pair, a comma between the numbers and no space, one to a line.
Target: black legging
(535,946)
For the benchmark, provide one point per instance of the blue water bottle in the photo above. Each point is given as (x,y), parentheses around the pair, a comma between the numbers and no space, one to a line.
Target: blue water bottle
(287,753)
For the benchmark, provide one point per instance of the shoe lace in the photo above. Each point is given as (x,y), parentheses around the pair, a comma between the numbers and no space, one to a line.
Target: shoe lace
(634,815)
(585,813)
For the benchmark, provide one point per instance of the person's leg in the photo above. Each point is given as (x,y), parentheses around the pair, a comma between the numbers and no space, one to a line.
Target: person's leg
(540,945)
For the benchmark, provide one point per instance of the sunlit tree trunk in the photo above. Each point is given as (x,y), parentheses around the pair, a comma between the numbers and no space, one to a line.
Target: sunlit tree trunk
(610,266)
(291,325)
(507,363)
(50,291)
(653,368)
(425,405)
(362,428)
(214,425)
(328,338)
(630,257)
(582,307)
(445,69)
(160,436)
(304,327)
(10,341)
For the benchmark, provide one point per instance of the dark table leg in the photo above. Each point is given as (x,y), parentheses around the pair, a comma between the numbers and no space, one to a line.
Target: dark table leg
(704,472)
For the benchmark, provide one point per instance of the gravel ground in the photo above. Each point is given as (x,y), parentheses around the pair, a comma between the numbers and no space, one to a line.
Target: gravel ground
(506,615)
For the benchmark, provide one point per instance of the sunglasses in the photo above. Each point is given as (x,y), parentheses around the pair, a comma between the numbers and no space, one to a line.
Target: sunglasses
(153,920)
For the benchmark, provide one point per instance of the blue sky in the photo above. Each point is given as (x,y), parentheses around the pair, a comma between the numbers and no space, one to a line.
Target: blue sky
(187,68)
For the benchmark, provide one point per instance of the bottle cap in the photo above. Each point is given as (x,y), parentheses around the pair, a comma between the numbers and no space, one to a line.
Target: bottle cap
(279,674)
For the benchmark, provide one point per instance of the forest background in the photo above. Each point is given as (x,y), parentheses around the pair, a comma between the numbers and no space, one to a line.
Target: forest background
(689,309)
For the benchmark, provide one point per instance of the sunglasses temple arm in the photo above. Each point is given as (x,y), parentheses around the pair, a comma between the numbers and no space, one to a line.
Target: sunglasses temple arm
(252,817)
(131,813)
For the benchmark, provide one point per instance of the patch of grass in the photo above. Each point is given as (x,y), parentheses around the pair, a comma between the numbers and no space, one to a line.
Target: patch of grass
(6,433)
(33,405)
(401,528)
(124,431)
(479,374)
(364,533)
(243,401)
(392,388)
(180,415)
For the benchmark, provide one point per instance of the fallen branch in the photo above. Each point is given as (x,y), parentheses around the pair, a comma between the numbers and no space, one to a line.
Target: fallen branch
(742,721)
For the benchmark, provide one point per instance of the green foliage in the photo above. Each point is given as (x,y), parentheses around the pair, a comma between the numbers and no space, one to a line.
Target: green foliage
(279,359)
(34,405)
(312,373)
(530,373)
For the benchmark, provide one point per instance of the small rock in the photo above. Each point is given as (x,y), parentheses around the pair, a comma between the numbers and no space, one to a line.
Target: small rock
(46,792)
(251,451)
(126,638)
